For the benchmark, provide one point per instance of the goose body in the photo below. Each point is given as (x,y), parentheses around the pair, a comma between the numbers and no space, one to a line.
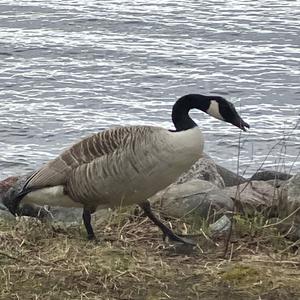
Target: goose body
(124,165)
(145,160)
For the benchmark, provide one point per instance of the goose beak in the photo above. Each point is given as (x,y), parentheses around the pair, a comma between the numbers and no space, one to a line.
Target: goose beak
(240,123)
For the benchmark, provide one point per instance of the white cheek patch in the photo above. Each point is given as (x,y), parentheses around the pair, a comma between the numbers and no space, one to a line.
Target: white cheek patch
(214,111)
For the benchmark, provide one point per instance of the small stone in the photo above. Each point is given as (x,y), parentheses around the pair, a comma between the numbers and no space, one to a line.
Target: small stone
(221,226)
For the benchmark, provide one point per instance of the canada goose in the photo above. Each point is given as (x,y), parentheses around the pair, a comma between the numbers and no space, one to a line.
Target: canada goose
(124,165)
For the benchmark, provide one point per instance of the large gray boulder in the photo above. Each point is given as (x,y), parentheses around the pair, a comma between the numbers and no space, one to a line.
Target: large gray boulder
(204,169)
(255,196)
(230,178)
(289,205)
(267,175)
(193,199)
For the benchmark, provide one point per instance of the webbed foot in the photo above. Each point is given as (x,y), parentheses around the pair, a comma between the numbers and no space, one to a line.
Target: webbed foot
(167,232)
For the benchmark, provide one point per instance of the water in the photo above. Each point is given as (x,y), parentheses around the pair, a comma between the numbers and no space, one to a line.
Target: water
(71,68)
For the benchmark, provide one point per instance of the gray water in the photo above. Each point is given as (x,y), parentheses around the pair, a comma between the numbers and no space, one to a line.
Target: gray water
(71,68)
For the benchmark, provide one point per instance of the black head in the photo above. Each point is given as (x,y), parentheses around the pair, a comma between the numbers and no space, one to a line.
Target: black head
(224,110)
(215,106)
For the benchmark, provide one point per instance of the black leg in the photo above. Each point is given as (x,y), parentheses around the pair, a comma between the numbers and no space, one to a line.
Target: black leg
(86,216)
(166,230)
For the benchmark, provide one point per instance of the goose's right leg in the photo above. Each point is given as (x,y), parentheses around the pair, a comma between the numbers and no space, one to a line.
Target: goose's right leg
(167,232)
(86,216)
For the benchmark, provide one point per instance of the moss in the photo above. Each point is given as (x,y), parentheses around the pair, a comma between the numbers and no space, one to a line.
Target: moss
(241,274)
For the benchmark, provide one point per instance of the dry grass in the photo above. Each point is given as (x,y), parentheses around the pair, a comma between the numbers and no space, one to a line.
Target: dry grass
(132,262)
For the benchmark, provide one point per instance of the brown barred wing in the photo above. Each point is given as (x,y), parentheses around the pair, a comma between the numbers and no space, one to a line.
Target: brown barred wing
(115,177)
(56,171)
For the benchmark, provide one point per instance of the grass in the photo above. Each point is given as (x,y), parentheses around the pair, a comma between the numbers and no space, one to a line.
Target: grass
(131,261)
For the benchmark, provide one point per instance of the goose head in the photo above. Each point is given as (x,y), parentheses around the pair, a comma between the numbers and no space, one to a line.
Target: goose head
(215,106)
(224,110)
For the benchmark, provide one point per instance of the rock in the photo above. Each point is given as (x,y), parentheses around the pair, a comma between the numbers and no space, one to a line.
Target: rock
(195,198)
(6,184)
(230,178)
(65,215)
(290,203)
(6,215)
(270,175)
(255,196)
(204,169)
(276,182)
(220,227)
(12,185)
(293,199)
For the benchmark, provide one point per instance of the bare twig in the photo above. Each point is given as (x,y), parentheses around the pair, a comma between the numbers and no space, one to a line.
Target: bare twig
(282,220)
(234,200)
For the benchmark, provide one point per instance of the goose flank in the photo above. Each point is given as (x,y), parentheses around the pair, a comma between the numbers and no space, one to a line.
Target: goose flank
(124,165)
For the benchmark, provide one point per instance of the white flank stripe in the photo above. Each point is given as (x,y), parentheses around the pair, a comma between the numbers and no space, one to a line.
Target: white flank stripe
(53,196)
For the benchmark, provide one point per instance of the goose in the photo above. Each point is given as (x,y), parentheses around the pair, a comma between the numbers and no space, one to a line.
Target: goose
(124,165)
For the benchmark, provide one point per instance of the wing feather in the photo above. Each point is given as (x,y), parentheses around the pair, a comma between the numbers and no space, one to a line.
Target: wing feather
(56,171)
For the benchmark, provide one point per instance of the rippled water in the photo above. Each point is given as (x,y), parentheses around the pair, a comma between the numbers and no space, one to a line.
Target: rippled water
(70,68)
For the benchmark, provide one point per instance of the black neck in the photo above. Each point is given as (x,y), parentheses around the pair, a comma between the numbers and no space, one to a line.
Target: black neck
(180,112)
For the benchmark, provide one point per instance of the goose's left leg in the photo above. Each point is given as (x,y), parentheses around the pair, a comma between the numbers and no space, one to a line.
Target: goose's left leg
(86,216)
(166,230)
